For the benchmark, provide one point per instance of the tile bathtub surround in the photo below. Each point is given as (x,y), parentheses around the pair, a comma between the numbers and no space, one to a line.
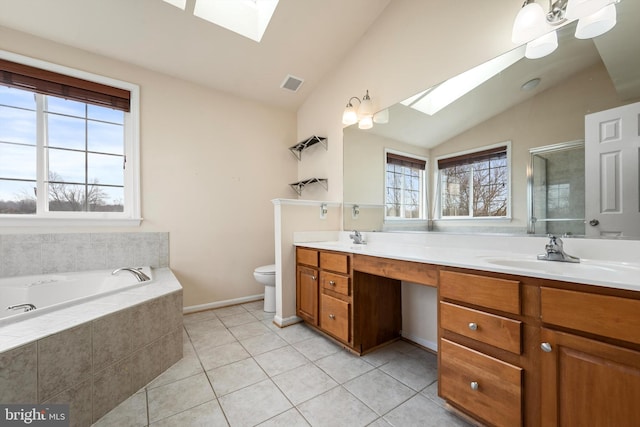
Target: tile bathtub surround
(239,369)
(28,254)
(96,365)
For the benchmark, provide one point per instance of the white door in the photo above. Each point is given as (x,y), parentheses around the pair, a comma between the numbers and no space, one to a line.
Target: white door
(612,181)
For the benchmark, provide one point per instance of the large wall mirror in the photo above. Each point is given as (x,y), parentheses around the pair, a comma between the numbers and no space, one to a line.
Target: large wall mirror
(532,107)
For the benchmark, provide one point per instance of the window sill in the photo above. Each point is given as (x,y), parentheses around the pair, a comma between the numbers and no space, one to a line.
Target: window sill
(19,221)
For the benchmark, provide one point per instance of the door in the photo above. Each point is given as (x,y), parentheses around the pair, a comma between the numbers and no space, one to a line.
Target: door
(612,158)
(307,294)
(587,382)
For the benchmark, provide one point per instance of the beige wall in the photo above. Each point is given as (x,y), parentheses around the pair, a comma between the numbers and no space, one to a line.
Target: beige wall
(211,163)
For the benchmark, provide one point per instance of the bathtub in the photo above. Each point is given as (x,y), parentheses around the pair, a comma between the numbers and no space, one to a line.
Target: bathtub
(91,350)
(54,291)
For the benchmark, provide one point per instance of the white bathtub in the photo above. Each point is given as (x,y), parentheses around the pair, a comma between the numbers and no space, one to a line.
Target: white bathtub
(50,292)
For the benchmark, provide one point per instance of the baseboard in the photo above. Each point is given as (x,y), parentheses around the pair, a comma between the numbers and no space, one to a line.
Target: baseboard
(288,321)
(220,304)
(421,341)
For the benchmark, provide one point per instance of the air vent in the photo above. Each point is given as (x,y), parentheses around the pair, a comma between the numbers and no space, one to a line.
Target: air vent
(291,83)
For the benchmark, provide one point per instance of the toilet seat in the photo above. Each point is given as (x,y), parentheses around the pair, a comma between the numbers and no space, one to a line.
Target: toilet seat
(266,270)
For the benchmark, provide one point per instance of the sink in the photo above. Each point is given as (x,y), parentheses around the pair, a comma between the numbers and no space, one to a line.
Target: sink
(585,267)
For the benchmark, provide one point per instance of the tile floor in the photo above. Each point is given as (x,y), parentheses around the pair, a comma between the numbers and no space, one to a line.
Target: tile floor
(241,370)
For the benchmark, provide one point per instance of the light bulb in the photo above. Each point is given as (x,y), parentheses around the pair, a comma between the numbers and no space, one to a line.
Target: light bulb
(365,123)
(349,116)
(530,24)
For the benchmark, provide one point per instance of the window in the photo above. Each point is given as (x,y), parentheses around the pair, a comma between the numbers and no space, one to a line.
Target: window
(405,187)
(475,185)
(68,146)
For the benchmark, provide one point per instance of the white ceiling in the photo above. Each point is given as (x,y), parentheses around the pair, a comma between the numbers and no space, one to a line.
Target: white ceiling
(306,38)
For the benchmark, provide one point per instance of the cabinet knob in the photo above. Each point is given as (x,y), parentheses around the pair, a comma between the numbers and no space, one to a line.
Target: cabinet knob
(473,326)
(546,347)
(332,316)
(474,385)
(332,283)
(313,277)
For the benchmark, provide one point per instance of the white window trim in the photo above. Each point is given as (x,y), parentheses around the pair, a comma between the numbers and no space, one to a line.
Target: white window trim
(131,217)
(425,186)
(438,195)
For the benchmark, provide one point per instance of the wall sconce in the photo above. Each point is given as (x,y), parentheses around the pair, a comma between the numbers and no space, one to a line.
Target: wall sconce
(363,115)
(323,211)
(355,211)
(536,27)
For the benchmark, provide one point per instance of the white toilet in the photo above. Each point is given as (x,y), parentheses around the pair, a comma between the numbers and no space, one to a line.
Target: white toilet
(266,275)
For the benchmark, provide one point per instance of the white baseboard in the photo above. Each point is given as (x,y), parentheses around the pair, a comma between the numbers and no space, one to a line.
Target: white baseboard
(421,341)
(220,304)
(287,321)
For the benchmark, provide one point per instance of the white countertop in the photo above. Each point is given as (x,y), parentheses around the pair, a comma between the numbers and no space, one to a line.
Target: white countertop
(611,274)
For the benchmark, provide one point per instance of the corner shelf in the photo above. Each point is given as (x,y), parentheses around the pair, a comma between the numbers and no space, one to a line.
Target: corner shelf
(299,186)
(297,149)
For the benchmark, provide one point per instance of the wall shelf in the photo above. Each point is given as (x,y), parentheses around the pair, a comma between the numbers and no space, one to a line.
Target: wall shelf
(299,186)
(297,149)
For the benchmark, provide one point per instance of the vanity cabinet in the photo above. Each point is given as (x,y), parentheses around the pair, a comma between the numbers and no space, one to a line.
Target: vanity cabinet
(480,323)
(590,363)
(360,310)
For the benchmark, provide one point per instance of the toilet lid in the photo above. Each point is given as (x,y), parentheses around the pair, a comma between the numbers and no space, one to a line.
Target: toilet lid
(266,269)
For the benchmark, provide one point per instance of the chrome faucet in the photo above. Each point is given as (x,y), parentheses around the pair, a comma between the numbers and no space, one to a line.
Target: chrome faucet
(357,238)
(25,307)
(555,251)
(135,271)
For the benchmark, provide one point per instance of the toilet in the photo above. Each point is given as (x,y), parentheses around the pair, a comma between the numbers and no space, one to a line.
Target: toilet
(266,275)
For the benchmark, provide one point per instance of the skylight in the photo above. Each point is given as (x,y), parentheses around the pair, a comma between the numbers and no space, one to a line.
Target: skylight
(433,100)
(249,18)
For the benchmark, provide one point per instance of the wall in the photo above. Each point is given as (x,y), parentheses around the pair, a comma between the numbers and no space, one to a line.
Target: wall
(207,177)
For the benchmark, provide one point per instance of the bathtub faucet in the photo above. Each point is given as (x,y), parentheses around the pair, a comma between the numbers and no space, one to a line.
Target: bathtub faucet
(25,307)
(135,271)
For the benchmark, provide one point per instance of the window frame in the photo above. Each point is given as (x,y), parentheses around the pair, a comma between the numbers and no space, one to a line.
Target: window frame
(131,216)
(438,190)
(424,198)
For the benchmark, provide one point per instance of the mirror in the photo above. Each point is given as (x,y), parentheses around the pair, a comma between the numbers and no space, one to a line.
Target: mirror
(581,77)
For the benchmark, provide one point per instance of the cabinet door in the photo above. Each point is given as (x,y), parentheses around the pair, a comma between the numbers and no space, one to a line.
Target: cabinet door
(307,294)
(587,382)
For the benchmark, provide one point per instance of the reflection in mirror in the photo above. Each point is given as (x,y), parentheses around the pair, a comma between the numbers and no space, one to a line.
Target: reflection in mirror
(556,189)
(532,103)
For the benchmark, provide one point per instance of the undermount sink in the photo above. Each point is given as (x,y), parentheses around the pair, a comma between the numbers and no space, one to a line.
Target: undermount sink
(556,267)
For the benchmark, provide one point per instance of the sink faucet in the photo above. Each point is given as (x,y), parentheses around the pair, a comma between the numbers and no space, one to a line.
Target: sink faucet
(555,251)
(357,238)
(135,271)
(24,307)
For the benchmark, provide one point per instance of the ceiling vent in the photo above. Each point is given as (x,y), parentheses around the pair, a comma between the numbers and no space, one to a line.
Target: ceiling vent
(291,83)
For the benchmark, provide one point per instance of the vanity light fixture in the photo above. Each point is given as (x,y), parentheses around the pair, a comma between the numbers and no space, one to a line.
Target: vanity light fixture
(363,115)
(536,27)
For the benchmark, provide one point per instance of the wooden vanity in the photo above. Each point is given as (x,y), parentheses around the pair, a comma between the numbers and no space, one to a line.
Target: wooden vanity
(513,350)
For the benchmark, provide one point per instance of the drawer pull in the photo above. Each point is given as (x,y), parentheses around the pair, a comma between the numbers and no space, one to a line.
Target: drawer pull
(473,326)
(332,283)
(332,316)
(313,277)
(474,385)
(546,347)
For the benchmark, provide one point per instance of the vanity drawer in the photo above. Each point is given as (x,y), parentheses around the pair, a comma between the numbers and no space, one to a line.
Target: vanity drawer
(307,256)
(487,387)
(605,315)
(334,317)
(497,331)
(337,262)
(335,283)
(489,292)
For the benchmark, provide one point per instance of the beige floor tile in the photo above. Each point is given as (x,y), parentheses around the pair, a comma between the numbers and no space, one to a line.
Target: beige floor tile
(379,391)
(238,319)
(229,311)
(337,407)
(316,348)
(199,317)
(178,396)
(263,343)
(281,360)
(422,412)
(229,378)
(254,404)
(343,366)
(291,418)
(415,372)
(132,412)
(303,383)
(248,330)
(222,355)
(295,333)
(208,414)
